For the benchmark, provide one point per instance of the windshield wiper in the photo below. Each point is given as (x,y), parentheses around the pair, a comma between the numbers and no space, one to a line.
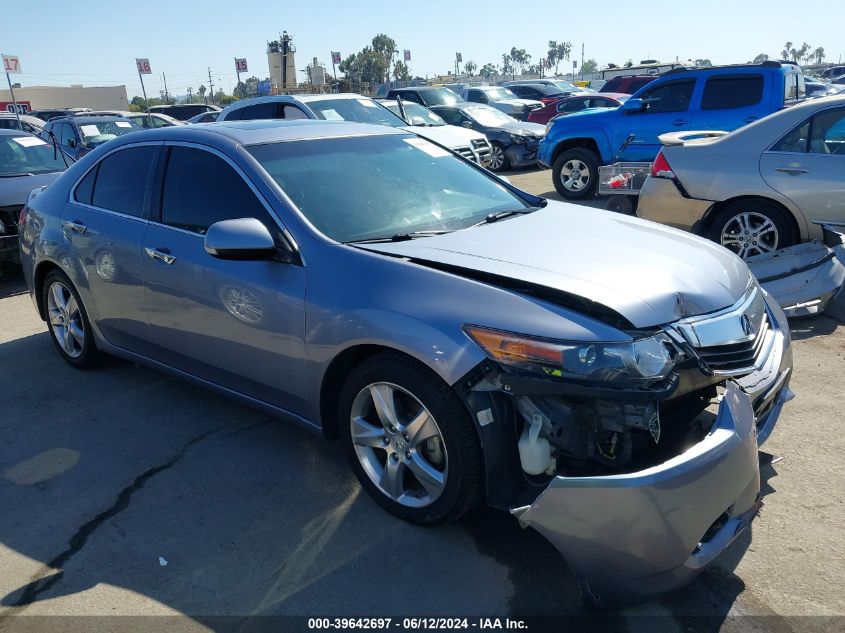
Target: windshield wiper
(498,215)
(401,237)
(23,173)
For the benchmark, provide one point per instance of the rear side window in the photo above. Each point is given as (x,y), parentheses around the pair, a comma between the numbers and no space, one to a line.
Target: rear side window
(793,87)
(201,188)
(738,91)
(259,111)
(85,188)
(122,180)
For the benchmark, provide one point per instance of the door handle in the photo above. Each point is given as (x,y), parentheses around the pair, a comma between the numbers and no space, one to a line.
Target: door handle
(679,122)
(76,227)
(792,170)
(160,254)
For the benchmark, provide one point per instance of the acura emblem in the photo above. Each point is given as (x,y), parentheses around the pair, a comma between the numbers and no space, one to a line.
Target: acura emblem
(747,327)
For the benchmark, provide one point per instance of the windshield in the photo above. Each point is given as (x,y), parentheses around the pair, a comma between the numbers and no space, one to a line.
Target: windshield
(440,96)
(416,114)
(378,186)
(499,94)
(97,133)
(28,155)
(362,110)
(565,86)
(485,115)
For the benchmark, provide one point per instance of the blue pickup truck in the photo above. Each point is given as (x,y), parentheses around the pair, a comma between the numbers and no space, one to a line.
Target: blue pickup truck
(714,98)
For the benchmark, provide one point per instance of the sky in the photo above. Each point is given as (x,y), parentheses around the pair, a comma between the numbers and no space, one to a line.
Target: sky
(96,42)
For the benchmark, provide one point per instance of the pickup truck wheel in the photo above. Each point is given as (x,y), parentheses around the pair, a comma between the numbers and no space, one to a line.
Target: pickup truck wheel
(410,440)
(576,173)
(751,227)
(498,159)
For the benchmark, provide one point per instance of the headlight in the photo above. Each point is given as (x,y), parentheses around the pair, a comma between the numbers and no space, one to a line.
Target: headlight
(516,138)
(644,359)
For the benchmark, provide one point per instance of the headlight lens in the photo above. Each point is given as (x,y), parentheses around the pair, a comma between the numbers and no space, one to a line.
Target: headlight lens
(644,359)
(516,138)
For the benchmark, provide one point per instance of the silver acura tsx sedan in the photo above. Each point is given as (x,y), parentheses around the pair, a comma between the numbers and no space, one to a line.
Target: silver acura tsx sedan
(604,379)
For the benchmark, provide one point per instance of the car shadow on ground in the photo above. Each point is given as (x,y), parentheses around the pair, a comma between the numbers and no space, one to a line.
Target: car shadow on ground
(108,470)
(11,282)
(807,327)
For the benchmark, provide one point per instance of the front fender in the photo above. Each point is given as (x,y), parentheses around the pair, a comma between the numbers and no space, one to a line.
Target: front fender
(563,135)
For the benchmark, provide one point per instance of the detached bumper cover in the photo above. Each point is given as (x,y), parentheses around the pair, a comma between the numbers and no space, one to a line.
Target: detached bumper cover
(522,154)
(636,535)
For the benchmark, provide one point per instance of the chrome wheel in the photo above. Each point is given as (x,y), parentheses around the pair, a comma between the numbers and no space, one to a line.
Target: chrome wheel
(65,319)
(242,304)
(398,444)
(497,158)
(575,175)
(750,233)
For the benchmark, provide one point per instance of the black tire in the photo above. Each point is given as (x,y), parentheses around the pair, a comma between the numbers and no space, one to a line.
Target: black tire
(89,356)
(627,205)
(463,488)
(588,159)
(756,212)
(506,164)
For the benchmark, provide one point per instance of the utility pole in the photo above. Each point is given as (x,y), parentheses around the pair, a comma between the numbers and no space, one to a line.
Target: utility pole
(210,85)
(582,61)
(166,94)
(190,98)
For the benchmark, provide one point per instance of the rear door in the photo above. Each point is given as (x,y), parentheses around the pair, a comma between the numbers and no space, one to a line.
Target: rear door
(808,166)
(238,324)
(730,101)
(667,107)
(105,221)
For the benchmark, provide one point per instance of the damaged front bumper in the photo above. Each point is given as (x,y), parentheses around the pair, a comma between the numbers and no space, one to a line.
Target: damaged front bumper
(632,536)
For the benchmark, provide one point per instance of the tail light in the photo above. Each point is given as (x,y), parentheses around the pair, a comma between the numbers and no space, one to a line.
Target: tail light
(22,217)
(548,100)
(660,167)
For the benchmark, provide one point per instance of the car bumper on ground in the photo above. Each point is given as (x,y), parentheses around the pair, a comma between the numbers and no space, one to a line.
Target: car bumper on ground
(633,536)
(522,155)
(662,201)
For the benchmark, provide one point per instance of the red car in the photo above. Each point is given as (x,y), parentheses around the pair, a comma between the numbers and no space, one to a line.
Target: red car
(627,84)
(575,103)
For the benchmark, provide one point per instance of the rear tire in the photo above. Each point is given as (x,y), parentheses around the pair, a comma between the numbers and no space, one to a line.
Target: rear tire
(426,473)
(576,173)
(67,321)
(751,227)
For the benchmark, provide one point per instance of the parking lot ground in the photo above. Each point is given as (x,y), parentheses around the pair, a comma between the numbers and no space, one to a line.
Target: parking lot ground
(124,491)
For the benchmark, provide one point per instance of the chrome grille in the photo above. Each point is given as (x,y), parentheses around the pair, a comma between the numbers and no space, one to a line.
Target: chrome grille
(483,150)
(736,357)
(466,152)
(733,341)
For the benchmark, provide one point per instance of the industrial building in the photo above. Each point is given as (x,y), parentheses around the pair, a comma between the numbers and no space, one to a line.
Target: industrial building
(282,63)
(45,97)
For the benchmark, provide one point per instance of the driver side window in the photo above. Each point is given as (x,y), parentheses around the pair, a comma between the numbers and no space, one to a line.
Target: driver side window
(66,135)
(669,97)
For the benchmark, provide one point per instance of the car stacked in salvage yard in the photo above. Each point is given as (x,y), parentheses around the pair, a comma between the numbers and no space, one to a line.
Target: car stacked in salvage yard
(467,341)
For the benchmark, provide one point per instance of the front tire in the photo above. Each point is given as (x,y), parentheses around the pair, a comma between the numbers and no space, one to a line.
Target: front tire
(751,227)
(498,159)
(68,322)
(410,440)
(576,173)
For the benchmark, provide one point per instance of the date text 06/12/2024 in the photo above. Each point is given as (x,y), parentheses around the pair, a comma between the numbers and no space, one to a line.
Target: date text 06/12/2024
(384,624)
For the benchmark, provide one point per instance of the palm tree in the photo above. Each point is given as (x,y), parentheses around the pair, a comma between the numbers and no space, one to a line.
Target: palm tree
(818,54)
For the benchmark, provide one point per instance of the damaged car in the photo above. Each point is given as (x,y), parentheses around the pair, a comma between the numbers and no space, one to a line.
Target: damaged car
(604,379)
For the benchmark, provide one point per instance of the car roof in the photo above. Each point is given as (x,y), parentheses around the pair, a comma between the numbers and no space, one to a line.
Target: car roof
(87,120)
(260,131)
(4,131)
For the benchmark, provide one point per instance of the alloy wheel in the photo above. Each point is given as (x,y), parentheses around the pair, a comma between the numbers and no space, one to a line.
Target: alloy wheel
(497,158)
(398,444)
(575,175)
(65,319)
(749,233)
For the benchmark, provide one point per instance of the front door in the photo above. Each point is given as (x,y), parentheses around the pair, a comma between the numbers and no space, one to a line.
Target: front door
(238,324)
(808,166)
(105,221)
(666,108)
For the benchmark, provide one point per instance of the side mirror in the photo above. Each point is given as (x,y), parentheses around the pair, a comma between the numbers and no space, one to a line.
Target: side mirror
(466,124)
(632,105)
(71,142)
(242,239)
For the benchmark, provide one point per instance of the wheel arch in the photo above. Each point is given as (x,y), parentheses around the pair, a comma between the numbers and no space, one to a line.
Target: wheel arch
(41,271)
(572,143)
(798,221)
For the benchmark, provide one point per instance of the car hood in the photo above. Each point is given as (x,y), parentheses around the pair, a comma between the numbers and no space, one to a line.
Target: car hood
(448,135)
(648,273)
(15,191)
(520,103)
(596,116)
(523,128)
